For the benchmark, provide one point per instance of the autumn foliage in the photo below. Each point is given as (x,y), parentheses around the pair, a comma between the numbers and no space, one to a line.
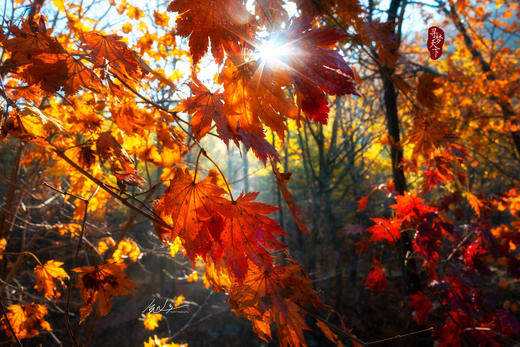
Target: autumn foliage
(105,123)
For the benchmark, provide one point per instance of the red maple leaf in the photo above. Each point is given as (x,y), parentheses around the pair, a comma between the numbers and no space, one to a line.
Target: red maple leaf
(206,107)
(189,207)
(376,278)
(409,206)
(386,229)
(220,21)
(422,307)
(315,68)
(248,234)
(473,257)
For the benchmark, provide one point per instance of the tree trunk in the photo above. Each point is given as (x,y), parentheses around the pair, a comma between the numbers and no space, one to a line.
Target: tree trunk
(404,244)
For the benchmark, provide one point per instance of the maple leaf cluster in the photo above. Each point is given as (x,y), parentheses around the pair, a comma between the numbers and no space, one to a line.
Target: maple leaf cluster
(26,320)
(237,241)
(460,300)
(77,96)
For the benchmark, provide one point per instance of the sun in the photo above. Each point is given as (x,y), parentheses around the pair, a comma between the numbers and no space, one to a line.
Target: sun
(272,52)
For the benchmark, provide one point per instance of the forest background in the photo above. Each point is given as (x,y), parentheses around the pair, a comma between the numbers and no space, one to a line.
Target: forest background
(135,139)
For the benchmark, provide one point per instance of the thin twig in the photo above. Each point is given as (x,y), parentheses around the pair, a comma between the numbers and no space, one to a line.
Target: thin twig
(181,330)
(333,327)
(398,337)
(110,191)
(91,329)
(69,288)
(131,220)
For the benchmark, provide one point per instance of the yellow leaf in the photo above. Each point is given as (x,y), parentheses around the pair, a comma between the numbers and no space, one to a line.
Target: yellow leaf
(127,249)
(161,19)
(60,4)
(3,243)
(45,276)
(193,277)
(46,120)
(127,27)
(26,320)
(156,342)
(176,246)
(104,244)
(72,228)
(179,301)
(152,320)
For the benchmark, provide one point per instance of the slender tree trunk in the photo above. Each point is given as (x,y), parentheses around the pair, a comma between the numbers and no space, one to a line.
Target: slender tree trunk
(404,244)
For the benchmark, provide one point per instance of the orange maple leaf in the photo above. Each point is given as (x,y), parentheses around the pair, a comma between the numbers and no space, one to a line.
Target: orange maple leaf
(45,276)
(328,333)
(47,69)
(27,43)
(100,283)
(206,107)
(188,206)
(217,275)
(121,163)
(26,320)
(275,296)
(42,60)
(283,178)
(3,244)
(109,49)
(426,87)
(475,203)
(409,206)
(253,96)
(80,76)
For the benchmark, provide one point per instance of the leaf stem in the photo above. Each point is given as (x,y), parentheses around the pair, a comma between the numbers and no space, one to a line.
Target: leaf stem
(221,174)
(197,164)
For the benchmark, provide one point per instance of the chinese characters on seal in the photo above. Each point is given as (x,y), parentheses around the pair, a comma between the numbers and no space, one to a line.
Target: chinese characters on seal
(435,42)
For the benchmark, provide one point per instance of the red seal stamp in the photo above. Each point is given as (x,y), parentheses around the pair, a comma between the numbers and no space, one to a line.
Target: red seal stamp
(435,42)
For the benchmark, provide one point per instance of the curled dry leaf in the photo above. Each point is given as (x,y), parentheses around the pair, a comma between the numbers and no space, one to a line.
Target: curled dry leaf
(99,284)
